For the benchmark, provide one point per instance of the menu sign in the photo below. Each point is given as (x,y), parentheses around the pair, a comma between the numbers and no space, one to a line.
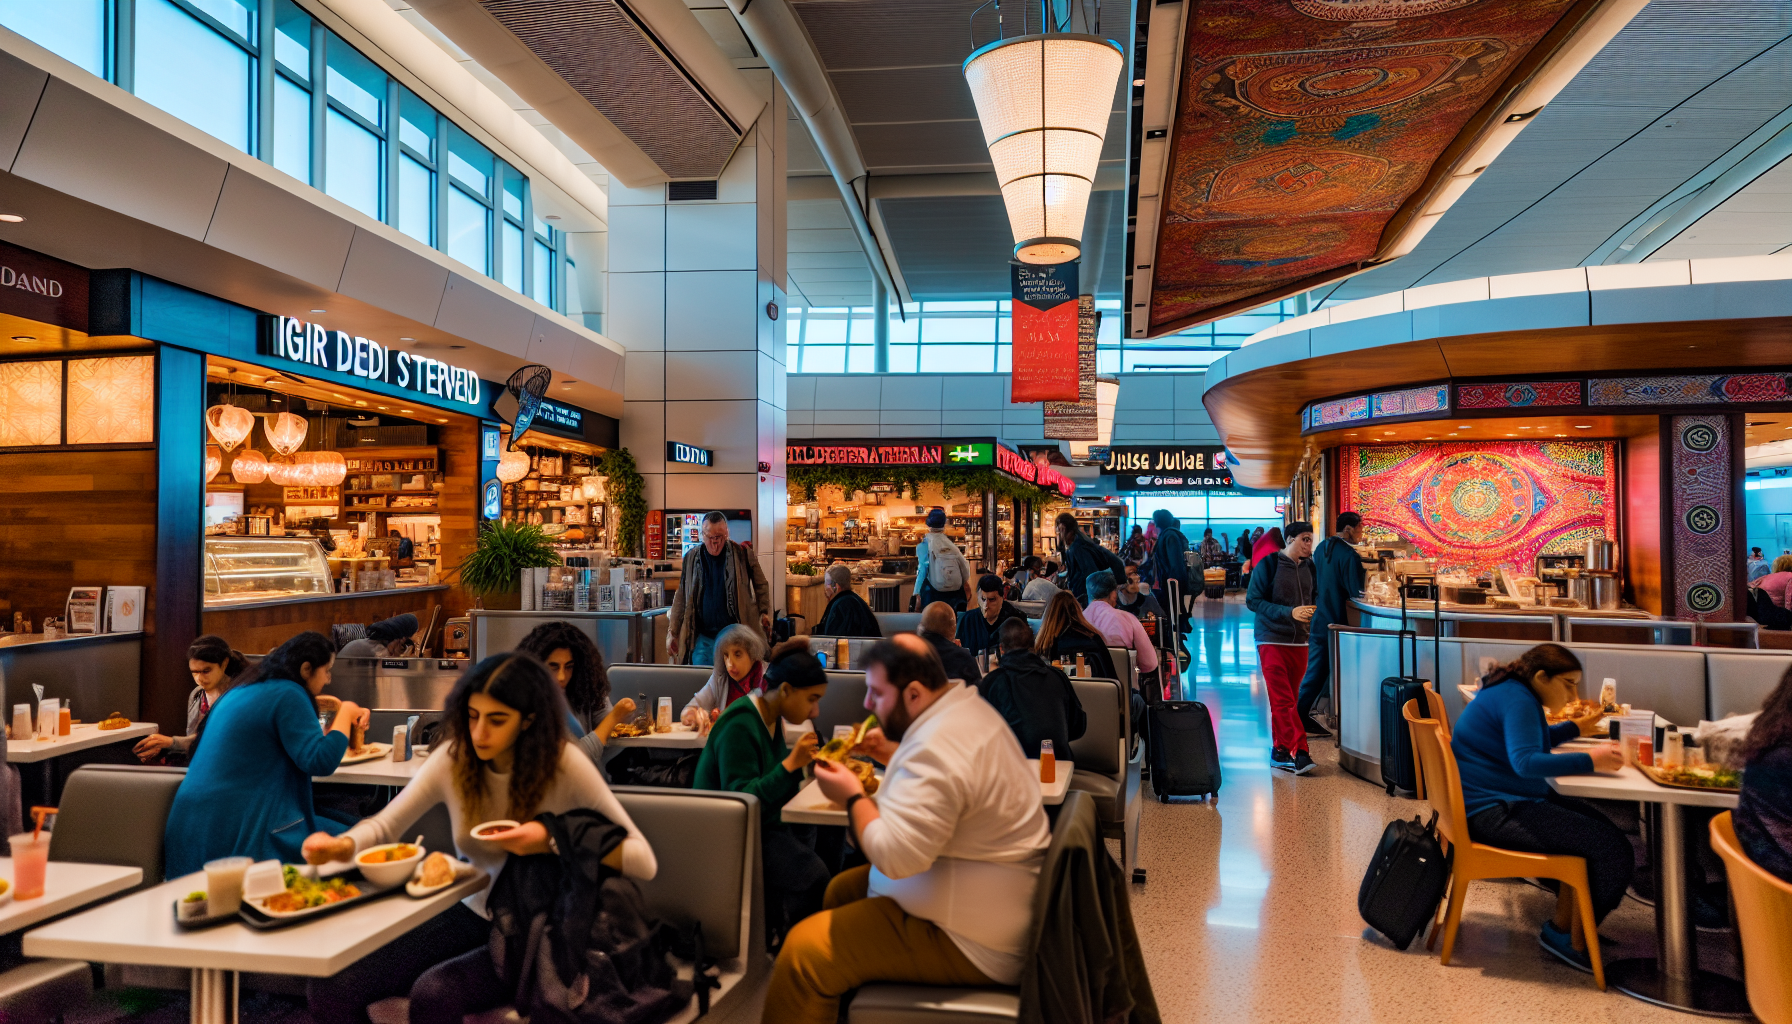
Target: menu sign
(294,339)
(1045,358)
(38,287)
(1142,469)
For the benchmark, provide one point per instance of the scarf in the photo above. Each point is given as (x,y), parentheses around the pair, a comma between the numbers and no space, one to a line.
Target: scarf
(738,688)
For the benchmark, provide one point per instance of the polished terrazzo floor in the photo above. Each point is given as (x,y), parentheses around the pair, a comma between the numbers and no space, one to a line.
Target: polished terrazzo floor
(1249,913)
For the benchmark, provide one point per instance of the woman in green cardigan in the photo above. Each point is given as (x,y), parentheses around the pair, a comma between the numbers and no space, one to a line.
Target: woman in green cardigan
(746,753)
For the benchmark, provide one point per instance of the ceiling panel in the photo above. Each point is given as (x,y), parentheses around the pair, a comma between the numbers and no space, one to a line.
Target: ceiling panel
(905,94)
(904,148)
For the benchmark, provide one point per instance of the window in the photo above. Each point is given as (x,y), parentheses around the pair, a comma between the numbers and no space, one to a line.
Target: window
(352,163)
(189,68)
(74,30)
(292,128)
(467,225)
(544,274)
(416,200)
(292,40)
(356,82)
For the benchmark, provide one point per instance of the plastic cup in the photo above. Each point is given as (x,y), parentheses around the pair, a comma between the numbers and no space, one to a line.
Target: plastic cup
(30,859)
(224,884)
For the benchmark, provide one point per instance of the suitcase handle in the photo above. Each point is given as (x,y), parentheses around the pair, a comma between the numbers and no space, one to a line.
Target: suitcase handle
(1437,629)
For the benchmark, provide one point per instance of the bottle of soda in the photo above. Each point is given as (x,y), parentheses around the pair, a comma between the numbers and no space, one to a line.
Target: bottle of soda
(1048,763)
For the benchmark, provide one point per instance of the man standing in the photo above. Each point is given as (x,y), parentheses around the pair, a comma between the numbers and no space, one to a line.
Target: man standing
(977,627)
(1339,576)
(938,626)
(721,585)
(1036,700)
(1212,551)
(941,572)
(955,840)
(1281,598)
(847,613)
(1083,556)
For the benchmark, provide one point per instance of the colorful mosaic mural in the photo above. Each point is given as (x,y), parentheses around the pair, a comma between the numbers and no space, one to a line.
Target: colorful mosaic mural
(1703,568)
(1302,127)
(1522,395)
(1690,389)
(1476,506)
(1344,410)
(1410,402)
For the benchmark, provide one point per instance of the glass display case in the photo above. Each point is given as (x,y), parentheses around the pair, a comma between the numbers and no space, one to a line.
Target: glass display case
(240,569)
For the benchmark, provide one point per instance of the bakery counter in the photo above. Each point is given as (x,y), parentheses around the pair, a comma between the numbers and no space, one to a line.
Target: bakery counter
(96,674)
(256,627)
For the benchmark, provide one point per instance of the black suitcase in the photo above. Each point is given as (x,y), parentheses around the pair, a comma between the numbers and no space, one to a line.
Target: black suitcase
(1406,879)
(1397,769)
(1185,761)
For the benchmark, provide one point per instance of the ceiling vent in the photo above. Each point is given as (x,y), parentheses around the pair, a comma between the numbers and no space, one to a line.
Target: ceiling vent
(688,191)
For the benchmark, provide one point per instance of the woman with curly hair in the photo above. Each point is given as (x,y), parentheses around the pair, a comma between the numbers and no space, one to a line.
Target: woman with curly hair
(505,755)
(578,666)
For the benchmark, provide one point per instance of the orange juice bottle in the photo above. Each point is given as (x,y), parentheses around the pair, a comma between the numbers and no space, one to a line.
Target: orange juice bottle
(1048,763)
(63,722)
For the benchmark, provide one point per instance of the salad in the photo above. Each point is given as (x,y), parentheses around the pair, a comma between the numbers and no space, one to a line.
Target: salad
(1704,776)
(304,893)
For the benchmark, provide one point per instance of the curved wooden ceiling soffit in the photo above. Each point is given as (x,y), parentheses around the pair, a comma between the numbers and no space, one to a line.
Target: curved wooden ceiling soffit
(1316,138)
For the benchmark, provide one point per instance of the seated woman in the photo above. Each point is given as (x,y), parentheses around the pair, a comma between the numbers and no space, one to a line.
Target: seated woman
(1763,816)
(213,664)
(739,670)
(578,666)
(1502,747)
(387,638)
(746,753)
(248,788)
(1064,633)
(505,755)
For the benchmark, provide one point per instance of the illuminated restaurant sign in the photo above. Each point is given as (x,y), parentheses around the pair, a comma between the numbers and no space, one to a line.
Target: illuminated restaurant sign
(338,351)
(1015,464)
(1139,469)
(863,455)
(967,453)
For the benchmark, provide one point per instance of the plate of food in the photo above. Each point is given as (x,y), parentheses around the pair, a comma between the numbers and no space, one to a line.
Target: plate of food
(1713,777)
(437,872)
(628,730)
(115,720)
(367,752)
(306,898)
(1577,709)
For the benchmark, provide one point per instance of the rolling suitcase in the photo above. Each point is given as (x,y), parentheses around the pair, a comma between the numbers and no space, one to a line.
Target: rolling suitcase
(1185,760)
(1405,881)
(1397,767)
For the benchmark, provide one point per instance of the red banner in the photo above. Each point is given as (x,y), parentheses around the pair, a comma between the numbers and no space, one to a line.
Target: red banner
(1045,357)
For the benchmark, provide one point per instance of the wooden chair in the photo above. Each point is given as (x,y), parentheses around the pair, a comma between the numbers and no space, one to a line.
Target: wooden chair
(1763,904)
(1471,860)
(1434,703)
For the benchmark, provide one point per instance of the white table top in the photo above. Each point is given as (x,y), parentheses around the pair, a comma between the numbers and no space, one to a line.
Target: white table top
(67,885)
(80,737)
(140,929)
(381,771)
(809,807)
(1629,784)
(680,740)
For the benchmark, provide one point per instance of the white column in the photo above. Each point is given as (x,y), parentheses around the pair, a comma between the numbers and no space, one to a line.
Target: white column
(691,284)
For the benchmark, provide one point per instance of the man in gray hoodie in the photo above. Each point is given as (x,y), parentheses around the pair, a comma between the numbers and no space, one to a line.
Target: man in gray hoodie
(1281,596)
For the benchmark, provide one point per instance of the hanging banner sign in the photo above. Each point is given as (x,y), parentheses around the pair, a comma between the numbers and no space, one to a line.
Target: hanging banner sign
(1076,421)
(1147,469)
(1045,333)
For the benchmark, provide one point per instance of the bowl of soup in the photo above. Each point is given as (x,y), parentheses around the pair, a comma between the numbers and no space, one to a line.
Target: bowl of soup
(486,829)
(389,864)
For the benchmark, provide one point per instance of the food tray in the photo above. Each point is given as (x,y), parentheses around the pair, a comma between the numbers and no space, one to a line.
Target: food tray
(198,923)
(371,752)
(1656,777)
(257,918)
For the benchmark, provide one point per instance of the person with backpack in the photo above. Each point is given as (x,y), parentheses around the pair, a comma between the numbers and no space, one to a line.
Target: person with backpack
(1339,575)
(941,571)
(1281,597)
(503,753)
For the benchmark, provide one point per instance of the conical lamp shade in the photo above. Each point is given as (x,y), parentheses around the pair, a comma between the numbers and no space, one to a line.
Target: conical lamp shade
(251,467)
(286,432)
(229,425)
(1044,103)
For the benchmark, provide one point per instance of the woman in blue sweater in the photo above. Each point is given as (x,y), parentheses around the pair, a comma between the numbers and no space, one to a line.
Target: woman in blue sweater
(248,787)
(1502,747)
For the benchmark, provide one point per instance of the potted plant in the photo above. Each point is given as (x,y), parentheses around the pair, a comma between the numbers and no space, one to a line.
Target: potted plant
(492,572)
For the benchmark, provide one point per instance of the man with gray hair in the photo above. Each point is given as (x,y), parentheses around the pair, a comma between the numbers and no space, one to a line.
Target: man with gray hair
(939,626)
(721,584)
(847,613)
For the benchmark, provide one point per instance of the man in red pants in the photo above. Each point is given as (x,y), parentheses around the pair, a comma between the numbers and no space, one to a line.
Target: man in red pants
(1281,596)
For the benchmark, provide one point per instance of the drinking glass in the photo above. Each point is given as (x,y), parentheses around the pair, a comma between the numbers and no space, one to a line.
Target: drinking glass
(224,884)
(30,860)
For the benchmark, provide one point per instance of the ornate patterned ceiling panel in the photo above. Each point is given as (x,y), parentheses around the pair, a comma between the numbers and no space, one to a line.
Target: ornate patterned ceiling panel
(1309,132)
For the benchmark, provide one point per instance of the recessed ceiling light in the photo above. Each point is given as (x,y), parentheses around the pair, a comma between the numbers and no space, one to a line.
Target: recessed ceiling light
(1583,426)
(359,402)
(1462,426)
(12,218)
(1561,435)
(1511,435)
(382,407)
(404,410)
(320,311)
(551,216)
(407,339)
(23,337)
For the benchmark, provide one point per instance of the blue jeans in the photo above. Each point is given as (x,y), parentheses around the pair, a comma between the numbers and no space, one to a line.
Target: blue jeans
(1319,667)
(703,652)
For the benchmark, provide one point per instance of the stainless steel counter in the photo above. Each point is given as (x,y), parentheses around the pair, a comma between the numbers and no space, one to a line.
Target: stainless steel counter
(622,636)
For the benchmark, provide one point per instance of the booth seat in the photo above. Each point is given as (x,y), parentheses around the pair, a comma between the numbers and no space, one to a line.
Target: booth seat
(1738,682)
(1103,769)
(893,623)
(679,682)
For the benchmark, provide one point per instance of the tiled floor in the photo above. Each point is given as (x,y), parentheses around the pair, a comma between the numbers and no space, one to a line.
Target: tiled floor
(1250,910)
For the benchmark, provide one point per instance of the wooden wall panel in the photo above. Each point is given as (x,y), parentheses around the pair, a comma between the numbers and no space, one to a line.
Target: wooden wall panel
(260,630)
(459,440)
(1642,525)
(74,518)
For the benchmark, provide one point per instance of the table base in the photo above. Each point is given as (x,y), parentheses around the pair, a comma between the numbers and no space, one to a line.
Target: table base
(214,996)
(1712,995)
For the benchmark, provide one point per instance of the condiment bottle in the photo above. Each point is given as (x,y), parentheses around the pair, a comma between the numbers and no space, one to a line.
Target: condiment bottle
(663,721)
(1048,762)
(843,653)
(1082,669)
(1673,747)
(63,721)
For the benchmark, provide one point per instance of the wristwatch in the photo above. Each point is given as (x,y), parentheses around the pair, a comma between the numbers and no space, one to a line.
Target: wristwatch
(850,801)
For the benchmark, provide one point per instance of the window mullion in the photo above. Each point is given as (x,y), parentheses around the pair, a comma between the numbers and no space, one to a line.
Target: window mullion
(263,100)
(442,184)
(389,152)
(124,45)
(320,103)
(219,27)
(528,227)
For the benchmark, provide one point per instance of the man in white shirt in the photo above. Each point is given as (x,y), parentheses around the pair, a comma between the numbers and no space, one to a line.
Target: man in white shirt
(1120,629)
(955,839)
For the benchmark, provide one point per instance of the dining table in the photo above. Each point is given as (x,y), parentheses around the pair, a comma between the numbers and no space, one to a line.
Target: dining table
(381,771)
(140,929)
(85,736)
(1672,977)
(67,886)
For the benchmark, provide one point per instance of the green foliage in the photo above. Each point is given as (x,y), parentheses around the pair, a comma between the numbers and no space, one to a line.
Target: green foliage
(971,481)
(799,569)
(627,491)
(505,549)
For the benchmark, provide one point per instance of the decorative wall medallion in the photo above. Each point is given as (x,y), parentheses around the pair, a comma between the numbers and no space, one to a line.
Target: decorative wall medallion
(1703,519)
(1704,598)
(1699,437)
(1699,464)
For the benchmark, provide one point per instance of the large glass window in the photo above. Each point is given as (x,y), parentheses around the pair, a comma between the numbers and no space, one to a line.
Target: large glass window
(544,274)
(356,82)
(352,163)
(195,72)
(292,128)
(74,30)
(416,200)
(292,39)
(468,227)
(512,246)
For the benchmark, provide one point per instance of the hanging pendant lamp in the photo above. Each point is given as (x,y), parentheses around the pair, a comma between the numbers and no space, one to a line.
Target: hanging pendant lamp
(1044,101)
(286,432)
(286,472)
(229,425)
(513,466)
(328,468)
(251,467)
(214,461)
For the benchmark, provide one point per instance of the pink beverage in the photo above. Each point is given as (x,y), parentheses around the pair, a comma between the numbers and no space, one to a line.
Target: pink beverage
(30,859)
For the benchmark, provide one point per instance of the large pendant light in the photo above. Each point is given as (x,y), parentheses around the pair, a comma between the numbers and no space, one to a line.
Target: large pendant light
(1044,102)
(326,469)
(214,461)
(513,466)
(251,467)
(285,471)
(286,432)
(229,425)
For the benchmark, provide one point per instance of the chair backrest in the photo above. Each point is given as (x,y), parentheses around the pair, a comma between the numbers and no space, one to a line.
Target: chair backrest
(1098,749)
(893,623)
(679,682)
(1763,905)
(1124,666)
(1738,683)
(116,814)
(707,846)
(1434,708)
(1443,787)
(843,703)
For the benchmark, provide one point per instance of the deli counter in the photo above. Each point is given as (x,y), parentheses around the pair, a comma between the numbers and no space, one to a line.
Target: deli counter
(261,591)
